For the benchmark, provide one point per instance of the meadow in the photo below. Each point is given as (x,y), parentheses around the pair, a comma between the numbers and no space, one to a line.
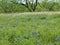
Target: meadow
(39,29)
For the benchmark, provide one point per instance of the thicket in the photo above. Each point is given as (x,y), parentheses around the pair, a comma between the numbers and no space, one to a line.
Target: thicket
(44,6)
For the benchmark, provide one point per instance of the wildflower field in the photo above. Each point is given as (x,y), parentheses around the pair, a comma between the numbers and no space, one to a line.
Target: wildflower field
(37,29)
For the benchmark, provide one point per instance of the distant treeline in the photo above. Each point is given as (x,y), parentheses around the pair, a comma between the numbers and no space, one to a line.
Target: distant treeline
(44,6)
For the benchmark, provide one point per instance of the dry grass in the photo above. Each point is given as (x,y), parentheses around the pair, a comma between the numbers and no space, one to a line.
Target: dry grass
(28,13)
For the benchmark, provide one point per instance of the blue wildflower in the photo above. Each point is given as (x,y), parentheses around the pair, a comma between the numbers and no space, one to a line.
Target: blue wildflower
(33,33)
(26,37)
(57,39)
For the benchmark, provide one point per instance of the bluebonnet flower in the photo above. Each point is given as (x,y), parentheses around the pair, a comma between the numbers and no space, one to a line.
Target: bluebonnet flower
(33,33)
(57,39)
(26,37)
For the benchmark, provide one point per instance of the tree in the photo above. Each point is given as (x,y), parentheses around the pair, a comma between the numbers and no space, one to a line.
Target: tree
(30,4)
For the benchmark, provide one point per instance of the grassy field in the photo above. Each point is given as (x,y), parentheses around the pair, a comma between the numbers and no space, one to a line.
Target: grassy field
(38,29)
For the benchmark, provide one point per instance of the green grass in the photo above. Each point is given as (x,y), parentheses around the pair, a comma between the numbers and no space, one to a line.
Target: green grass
(30,30)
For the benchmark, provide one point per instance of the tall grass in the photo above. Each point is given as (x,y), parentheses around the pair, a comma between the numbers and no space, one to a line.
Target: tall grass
(30,30)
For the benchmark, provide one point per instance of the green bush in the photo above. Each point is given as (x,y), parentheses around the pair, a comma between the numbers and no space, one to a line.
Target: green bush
(10,7)
(44,6)
(48,6)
